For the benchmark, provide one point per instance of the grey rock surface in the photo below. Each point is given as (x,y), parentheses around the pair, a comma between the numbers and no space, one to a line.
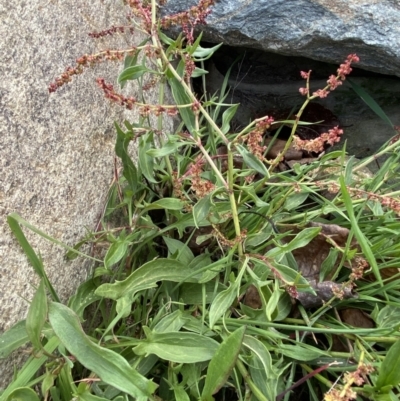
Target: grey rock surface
(56,151)
(324,30)
(268,84)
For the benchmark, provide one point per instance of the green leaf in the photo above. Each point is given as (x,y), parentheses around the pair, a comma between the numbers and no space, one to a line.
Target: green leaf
(132,73)
(328,264)
(179,347)
(23,394)
(13,338)
(172,322)
(116,252)
(202,54)
(301,352)
(145,161)
(13,220)
(185,255)
(292,276)
(166,203)
(222,363)
(370,102)
(111,367)
(193,294)
(389,372)
(198,72)
(83,297)
(121,150)
(252,161)
(180,394)
(147,276)
(227,117)
(164,38)
(294,200)
(285,273)
(167,149)
(388,317)
(303,238)
(201,209)
(273,301)
(222,302)
(88,396)
(182,98)
(37,315)
(261,352)
(264,374)
(130,61)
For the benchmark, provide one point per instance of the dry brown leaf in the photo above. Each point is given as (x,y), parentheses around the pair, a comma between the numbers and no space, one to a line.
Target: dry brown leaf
(356,318)
(252,298)
(309,258)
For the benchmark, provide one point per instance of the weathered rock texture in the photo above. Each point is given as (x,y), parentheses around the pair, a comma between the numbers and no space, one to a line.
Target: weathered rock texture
(268,84)
(324,30)
(56,151)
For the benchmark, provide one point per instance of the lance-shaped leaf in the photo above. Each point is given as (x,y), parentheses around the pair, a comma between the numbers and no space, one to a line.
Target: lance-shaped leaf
(222,363)
(111,367)
(37,315)
(389,372)
(179,347)
(121,149)
(147,276)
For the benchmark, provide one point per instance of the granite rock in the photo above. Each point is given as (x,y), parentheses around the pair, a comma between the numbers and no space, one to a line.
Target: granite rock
(56,151)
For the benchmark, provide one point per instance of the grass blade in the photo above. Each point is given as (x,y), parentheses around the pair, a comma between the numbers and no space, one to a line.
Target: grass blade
(371,103)
(14,221)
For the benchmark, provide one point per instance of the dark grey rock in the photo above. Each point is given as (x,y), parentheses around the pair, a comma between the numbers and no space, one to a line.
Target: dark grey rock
(324,30)
(268,84)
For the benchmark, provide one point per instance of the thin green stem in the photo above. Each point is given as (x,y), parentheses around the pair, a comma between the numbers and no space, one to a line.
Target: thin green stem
(372,158)
(232,199)
(213,165)
(191,95)
(254,389)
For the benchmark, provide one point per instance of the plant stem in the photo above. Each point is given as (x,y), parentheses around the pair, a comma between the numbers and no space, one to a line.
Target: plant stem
(232,199)
(372,158)
(255,390)
(191,94)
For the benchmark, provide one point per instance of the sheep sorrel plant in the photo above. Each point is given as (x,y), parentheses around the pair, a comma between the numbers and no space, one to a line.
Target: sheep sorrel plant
(229,273)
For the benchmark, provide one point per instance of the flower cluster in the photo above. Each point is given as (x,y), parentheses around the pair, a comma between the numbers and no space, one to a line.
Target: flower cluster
(129,101)
(118,98)
(227,243)
(190,66)
(357,270)
(317,145)
(200,186)
(86,61)
(333,81)
(110,31)
(345,392)
(143,12)
(386,201)
(190,18)
(255,137)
